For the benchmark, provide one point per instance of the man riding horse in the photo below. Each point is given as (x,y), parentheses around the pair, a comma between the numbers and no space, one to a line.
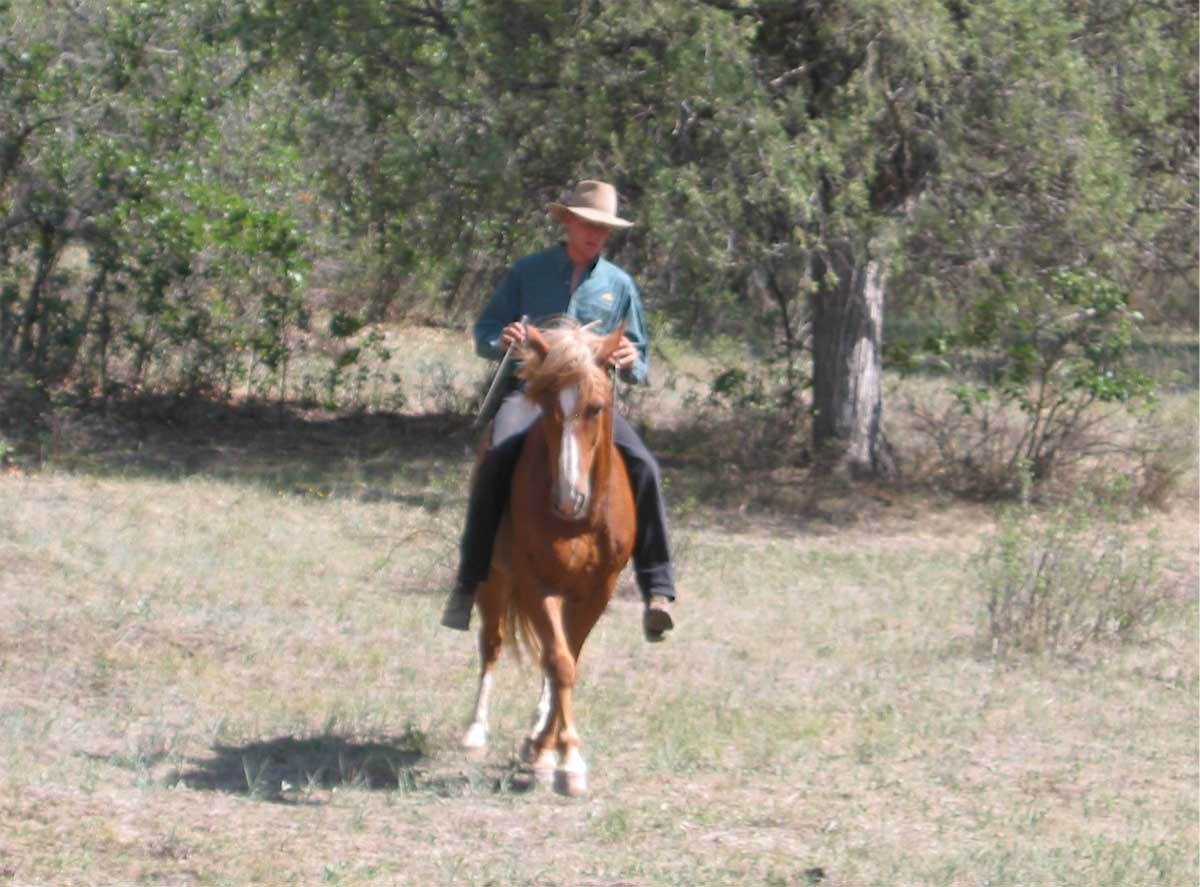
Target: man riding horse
(569,279)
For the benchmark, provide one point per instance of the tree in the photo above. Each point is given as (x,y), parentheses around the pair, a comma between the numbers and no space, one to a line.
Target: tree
(1145,56)
(129,249)
(798,164)
(1004,138)
(798,167)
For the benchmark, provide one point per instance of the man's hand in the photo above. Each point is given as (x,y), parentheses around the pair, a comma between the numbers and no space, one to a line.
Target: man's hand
(625,356)
(513,334)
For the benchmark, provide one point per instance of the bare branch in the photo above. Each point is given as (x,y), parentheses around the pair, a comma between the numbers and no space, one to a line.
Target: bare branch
(788,77)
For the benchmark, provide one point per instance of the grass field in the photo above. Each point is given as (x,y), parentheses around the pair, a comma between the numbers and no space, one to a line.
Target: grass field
(220,664)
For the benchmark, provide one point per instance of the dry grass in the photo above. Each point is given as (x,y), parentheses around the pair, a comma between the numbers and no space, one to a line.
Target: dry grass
(219,664)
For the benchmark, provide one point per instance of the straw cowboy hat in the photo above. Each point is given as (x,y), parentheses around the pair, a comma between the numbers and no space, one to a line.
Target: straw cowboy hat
(593,201)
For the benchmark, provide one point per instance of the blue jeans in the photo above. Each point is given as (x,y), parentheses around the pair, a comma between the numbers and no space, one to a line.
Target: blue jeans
(493,481)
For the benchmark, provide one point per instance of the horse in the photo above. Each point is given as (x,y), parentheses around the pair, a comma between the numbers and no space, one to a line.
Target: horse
(567,534)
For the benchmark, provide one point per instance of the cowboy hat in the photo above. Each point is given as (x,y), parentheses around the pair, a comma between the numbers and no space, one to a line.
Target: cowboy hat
(593,201)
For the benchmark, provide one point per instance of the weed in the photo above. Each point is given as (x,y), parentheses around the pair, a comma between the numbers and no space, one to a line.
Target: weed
(257,782)
(612,826)
(978,452)
(1072,576)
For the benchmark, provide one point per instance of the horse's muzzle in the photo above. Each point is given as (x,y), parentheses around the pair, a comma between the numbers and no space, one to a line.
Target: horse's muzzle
(571,504)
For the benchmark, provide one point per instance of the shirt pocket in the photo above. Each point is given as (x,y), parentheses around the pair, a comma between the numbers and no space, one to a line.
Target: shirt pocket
(593,302)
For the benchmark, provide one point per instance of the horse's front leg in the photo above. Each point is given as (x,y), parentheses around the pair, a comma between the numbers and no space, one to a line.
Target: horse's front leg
(571,776)
(557,743)
(579,617)
(554,751)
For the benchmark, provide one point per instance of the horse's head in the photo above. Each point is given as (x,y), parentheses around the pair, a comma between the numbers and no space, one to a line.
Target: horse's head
(565,370)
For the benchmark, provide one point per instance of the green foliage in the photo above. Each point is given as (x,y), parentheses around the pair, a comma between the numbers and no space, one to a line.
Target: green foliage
(1044,345)
(1075,575)
(131,251)
(367,356)
(183,187)
(768,391)
(968,151)
(1052,348)
(1046,154)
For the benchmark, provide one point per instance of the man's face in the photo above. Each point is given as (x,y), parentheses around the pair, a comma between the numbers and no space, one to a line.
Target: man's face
(584,239)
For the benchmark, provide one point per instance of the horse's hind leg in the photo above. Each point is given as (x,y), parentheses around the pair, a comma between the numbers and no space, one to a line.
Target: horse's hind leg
(541,724)
(491,639)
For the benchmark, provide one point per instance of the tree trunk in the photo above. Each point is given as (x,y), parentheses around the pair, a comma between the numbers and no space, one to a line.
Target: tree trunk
(31,348)
(847,316)
(84,327)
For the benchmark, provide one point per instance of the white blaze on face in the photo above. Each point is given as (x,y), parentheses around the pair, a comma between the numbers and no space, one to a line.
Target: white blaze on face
(572,484)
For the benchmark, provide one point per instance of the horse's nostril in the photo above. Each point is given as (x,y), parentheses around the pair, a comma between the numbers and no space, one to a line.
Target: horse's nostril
(571,504)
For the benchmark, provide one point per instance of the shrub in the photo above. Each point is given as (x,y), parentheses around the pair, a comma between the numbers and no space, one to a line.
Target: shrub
(1041,368)
(1075,575)
(1147,456)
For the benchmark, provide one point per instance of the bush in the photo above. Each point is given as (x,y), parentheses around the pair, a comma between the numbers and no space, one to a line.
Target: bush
(23,407)
(1039,371)
(1075,575)
(1148,456)
(745,419)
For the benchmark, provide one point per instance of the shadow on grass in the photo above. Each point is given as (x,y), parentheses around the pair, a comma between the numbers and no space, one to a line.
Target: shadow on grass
(374,457)
(286,769)
(292,770)
(713,473)
(748,475)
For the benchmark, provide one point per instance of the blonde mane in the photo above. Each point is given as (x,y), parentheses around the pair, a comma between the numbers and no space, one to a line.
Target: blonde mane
(571,361)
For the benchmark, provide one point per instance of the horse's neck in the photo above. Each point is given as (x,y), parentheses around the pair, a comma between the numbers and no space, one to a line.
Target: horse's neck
(605,467)
(605,453)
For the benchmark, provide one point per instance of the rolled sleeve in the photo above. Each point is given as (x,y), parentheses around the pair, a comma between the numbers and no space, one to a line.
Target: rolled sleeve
(502,307)
(635,330)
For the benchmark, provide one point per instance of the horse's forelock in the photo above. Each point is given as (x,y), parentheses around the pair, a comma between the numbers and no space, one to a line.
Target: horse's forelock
(570,360)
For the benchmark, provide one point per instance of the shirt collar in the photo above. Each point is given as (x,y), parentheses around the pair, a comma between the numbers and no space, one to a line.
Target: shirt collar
(567,263)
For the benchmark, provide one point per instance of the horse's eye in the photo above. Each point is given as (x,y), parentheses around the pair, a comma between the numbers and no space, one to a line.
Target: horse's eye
(593,411)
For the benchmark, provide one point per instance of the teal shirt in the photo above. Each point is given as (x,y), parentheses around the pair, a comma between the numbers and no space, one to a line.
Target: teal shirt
(539,285)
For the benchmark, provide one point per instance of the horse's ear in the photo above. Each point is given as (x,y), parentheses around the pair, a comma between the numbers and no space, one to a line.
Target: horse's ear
(610,344)
(536,341)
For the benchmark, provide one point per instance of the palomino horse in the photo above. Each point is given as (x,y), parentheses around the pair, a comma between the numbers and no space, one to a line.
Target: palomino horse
(567,534)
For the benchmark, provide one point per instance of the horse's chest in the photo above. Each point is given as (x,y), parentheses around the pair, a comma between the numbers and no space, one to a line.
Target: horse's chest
(581,555)
(587,554)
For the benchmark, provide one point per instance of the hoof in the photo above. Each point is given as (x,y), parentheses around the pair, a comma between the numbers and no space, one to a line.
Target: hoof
(543,765)
(538,758)
(572,783)
(544,776)
(475,740)
(529,751)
